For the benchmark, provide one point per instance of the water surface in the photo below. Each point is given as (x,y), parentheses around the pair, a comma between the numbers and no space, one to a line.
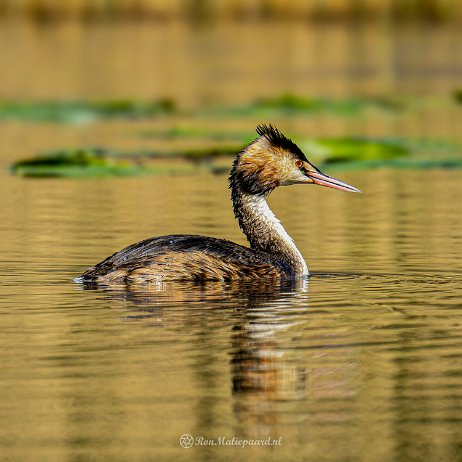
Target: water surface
(361,362)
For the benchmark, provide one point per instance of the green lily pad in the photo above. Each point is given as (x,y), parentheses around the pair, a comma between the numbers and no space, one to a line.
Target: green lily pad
(79,111)
(75,163)
(98,162)
(293,105)
(330,150)
(290,102)
(412,163)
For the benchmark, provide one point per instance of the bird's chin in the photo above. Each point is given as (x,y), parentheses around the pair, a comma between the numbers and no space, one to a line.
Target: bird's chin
(301,180)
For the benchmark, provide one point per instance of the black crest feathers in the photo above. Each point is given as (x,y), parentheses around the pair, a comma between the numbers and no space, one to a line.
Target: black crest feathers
(277,139)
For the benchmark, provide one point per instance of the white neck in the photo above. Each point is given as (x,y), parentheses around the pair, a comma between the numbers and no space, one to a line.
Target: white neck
(265,232)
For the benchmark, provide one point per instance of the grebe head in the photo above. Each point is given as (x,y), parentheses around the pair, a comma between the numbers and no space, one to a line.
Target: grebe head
(274,160)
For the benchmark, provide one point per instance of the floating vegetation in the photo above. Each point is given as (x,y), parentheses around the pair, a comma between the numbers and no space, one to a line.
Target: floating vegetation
(411,163)
(353,147)
(284,105)
(457,94)
(293,105)
(200,155)
(330,150)
(80,111)
(342,153)
(322,150)
(100,162)
(76,163)
(290,102)
(92,162)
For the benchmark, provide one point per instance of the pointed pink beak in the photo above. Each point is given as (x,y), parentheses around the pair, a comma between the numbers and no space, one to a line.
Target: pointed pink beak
(325,180)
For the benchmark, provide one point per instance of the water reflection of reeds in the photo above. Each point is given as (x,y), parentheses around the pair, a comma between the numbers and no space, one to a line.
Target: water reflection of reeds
(428,10)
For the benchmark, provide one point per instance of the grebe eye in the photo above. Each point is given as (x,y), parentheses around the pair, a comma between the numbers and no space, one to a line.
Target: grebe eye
(299,164)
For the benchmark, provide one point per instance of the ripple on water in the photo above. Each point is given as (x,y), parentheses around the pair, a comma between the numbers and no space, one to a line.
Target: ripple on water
(333,364)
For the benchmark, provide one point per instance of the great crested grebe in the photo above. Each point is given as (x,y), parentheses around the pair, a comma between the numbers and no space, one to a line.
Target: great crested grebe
(269,161)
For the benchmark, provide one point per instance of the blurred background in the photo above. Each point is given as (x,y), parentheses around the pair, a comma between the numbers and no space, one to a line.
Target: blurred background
(188,69)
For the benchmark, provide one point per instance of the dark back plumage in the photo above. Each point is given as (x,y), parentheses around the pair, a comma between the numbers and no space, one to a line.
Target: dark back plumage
(182,256)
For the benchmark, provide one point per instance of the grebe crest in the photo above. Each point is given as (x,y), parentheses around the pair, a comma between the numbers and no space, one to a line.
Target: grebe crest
(271,160)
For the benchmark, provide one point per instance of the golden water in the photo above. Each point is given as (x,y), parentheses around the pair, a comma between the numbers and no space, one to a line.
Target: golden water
(362,362)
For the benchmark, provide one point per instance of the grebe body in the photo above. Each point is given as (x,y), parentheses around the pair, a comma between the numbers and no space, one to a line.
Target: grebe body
(270,161)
